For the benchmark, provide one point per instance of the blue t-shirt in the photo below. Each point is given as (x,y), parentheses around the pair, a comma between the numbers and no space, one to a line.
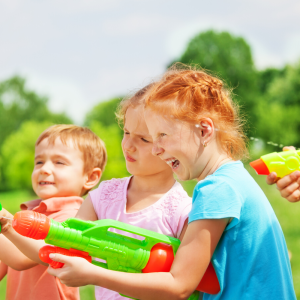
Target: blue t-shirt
(251,258)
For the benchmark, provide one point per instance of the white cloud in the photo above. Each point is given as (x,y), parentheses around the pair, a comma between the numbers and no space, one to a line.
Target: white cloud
(63,94)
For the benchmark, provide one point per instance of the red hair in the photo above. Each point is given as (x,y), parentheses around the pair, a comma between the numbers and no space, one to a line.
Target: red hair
(191,95)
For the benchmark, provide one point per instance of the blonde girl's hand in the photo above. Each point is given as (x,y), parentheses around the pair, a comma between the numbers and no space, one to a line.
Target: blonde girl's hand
(75,272)
(289,185)
(5,223)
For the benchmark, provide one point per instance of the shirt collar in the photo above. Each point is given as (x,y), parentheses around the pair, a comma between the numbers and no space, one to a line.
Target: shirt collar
(52,204)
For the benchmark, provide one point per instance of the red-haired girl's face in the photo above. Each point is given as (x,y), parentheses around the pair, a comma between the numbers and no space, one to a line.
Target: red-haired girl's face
(137,146)
(177,143)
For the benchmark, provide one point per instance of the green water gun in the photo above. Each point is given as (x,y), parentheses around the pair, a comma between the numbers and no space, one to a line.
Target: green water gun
(283,163)
(74,237)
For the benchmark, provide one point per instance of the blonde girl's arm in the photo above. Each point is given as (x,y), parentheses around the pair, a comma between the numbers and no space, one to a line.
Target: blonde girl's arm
(86,211)
(191,261)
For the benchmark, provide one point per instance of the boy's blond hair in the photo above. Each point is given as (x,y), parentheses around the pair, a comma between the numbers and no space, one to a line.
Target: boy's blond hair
(91,146)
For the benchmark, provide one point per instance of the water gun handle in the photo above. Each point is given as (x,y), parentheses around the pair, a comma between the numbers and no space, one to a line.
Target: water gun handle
(48,249)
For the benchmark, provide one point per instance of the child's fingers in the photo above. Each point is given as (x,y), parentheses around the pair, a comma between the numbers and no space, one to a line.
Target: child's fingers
(288,148)
(288,180)
(295,197)
(60,258)
(290,189)
(271,178)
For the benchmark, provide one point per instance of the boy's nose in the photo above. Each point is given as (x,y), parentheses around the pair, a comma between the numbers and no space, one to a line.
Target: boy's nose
(45,169)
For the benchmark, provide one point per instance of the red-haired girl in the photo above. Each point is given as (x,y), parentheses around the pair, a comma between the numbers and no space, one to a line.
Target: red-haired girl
(196,129)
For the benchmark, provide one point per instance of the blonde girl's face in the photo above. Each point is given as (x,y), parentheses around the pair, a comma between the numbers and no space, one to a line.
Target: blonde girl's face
(137,146)
(178,144)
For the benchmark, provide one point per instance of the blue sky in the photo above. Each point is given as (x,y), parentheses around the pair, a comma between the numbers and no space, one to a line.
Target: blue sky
(81,52)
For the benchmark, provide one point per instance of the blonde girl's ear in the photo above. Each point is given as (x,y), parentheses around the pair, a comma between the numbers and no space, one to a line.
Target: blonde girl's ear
(93,178)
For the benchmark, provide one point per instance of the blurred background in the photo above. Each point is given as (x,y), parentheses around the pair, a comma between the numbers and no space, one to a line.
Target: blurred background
(73,61)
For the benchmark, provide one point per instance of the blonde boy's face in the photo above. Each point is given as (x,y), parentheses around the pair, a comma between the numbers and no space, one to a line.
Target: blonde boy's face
(58,170)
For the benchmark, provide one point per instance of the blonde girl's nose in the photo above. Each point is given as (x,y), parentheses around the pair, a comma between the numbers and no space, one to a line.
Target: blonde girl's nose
(129,145)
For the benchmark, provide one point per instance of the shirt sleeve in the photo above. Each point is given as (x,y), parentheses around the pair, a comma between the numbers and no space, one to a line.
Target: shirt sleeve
(214,198)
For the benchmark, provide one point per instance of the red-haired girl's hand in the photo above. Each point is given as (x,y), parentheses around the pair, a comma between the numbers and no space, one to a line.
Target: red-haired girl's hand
(289,185)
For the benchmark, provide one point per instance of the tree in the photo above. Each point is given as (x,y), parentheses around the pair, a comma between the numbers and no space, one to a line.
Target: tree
(279,109)
(103,112)
(230,59)
(18,104)
(18,155)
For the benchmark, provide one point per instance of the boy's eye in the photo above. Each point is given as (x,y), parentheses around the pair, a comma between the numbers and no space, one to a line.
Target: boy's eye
(162,134)
(59,163)
(38,162)
(144,140)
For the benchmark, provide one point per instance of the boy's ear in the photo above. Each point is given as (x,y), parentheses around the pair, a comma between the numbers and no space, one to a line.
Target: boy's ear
(93,178)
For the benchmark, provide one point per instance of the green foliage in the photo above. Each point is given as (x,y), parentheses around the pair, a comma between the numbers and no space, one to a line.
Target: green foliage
(18,155)
(116,165)
(265,77)
(229,58)
(103,112)
(279,109)
(18,104)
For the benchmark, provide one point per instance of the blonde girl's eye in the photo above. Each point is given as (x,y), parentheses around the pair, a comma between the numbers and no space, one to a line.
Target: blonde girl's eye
(162,135)
(144,140)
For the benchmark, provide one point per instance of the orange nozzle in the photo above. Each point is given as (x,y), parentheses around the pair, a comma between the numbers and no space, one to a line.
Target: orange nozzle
(31,224)
(260,167)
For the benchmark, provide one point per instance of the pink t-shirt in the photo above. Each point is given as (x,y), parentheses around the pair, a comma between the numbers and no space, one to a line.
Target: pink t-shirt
(166,216)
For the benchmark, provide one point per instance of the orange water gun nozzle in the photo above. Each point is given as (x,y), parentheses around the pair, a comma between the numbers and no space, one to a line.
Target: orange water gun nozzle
(31,224)
(260,167)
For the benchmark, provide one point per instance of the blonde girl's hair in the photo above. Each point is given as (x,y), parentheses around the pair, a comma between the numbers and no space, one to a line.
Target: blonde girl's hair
(132,101)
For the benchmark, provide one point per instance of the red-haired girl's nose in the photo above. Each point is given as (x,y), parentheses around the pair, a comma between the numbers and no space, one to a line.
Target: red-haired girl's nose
(260,167)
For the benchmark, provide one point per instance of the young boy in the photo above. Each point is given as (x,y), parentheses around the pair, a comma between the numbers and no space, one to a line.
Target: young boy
(69,161)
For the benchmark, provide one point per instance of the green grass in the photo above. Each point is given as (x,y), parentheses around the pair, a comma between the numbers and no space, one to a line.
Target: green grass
(287,213)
